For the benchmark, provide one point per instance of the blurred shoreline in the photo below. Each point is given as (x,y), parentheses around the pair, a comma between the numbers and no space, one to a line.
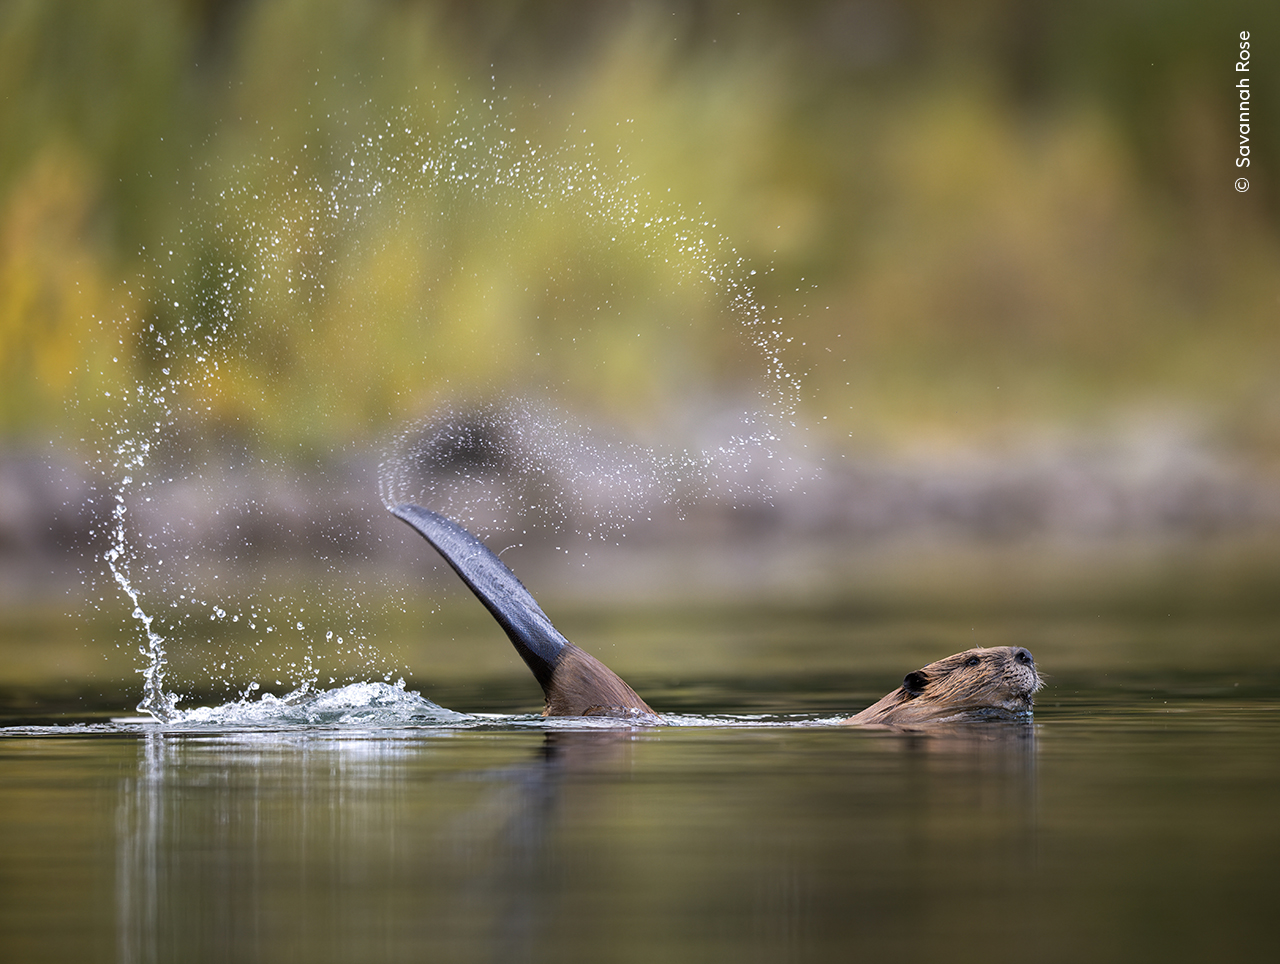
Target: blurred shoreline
(965,527)
(282,230)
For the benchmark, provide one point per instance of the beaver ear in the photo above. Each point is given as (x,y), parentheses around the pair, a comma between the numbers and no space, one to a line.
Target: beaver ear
(914,683)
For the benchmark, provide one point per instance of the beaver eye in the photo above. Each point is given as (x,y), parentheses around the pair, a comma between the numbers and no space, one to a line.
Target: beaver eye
(972,661)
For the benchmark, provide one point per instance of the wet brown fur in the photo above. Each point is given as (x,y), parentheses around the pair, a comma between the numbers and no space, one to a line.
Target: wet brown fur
(986,683)
(581,685)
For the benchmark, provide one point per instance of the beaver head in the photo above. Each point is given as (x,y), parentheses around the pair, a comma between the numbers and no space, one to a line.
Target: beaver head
(986,683)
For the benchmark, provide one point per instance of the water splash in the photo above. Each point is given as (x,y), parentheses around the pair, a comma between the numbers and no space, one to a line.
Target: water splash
(161,705)
(488,464)
(280,239)
(357,704)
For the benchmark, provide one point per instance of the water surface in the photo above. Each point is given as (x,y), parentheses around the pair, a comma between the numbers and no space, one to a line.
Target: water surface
(1134,819)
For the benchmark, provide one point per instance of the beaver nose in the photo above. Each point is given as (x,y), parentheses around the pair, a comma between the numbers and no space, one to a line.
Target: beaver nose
(1024,657)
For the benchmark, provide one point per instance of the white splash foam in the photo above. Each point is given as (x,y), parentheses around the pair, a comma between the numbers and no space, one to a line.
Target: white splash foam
(357,704)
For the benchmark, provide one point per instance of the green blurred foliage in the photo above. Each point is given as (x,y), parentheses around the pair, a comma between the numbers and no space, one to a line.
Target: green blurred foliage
(976,215)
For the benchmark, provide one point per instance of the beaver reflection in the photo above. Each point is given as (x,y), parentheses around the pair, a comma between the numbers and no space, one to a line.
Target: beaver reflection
(549,832)
(997,683)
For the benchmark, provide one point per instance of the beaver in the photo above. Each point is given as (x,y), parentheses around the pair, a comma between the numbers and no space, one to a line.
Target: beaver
(986,683)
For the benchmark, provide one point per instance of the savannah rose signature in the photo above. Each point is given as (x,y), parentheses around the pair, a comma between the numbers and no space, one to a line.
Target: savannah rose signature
(1242,88)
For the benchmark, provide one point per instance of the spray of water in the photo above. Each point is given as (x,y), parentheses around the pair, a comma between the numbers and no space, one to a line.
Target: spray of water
(282,238)
(523,464)
(156,701)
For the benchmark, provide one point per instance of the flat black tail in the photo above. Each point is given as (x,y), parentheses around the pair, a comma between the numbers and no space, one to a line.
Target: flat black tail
(538,642)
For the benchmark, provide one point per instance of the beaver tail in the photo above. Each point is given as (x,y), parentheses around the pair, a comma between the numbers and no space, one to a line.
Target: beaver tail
(573,681)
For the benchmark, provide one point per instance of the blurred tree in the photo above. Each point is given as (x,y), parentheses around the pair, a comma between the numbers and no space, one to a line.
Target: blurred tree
(1030,195)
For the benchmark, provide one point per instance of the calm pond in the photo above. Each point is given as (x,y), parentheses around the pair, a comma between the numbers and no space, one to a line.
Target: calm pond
(1135,819)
